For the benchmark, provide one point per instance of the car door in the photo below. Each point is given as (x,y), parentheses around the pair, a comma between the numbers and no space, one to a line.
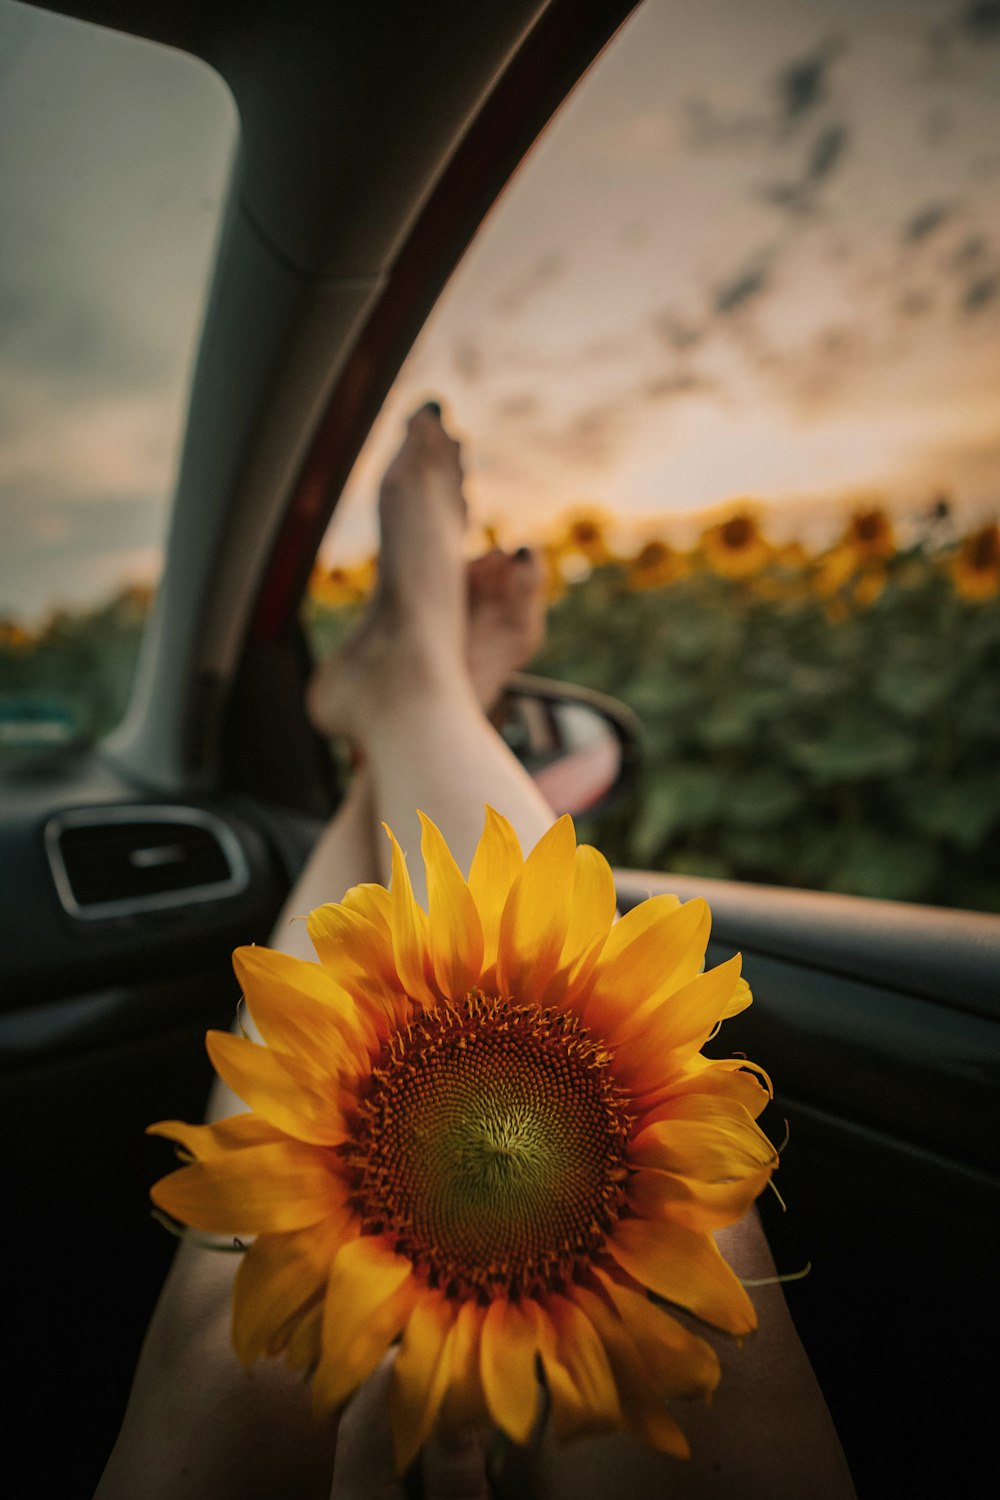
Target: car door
(878,1022)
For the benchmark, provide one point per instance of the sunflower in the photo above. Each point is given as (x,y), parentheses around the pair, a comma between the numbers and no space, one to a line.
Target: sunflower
(736,547)
(348,583)
(869,537)
(975,568)
(585,535)
(655,565)
(486,1131)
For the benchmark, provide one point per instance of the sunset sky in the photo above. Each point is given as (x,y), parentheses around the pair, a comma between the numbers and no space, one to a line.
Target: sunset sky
(758,253)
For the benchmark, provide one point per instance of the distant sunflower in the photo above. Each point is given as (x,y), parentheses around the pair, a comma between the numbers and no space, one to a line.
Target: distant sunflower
(487,1131)
(736,547)
(975,568)
(585,535)
(348,583)
(655,565)
(869,536)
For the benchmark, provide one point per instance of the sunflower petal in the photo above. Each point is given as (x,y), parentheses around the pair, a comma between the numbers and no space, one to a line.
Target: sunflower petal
(702,1206)
(702,1136)
(278,1275)
(675,1361)
(420,1376)
(571,1416)
(648,1052)
(654,950)
(582,1354)
(369,1296)
(685,1268)
(278,1087)
(507,1367)
(464,1403)
(495,866)
(305,1341)
(219,1138)
(454,928)
(643,1411)
(259,1189)
(537,914)
(359,955)
(593,914)
(300,1008)
(730,1077)
(409,932)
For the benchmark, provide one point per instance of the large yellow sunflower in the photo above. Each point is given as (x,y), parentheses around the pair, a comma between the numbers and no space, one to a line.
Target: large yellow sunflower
(486,1130)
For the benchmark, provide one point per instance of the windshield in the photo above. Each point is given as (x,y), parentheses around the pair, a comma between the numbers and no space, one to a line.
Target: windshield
(726,352)
(114,161)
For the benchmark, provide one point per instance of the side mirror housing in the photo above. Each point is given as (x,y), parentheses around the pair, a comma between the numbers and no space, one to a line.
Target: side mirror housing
(581,747)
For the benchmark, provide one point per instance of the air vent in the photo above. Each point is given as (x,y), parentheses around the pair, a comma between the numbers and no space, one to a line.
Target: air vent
(121,861)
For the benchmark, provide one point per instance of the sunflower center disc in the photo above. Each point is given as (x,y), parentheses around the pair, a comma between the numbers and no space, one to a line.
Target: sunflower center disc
(491,1147)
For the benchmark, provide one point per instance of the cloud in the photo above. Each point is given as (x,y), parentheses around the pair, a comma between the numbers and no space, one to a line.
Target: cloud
(803,85)
(675,332)
(528,284)
(926,221)
(825,156)
(747,286)
(981,292)
(980,20)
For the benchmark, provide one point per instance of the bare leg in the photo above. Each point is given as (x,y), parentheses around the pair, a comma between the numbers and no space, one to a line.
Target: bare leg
(402,688)
(197,1424)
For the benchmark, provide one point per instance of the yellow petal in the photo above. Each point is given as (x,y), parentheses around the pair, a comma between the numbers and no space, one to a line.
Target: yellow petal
(582,1354)
(649,1051)
(685,1268)
(537,914)
(703,1206)
(299,1008)
(676,1362)
(643,1412)
(454,929)
(222,1136)
(369,1297)
(409,933)
(464,1403)
(571,1417)
(420,1376)
(590,924)
(277,1086)
(259,1189)
(654,950)
(703,1136)
(372,902)
(305,1342)
(278,1276)
(507,1366)
(359,955)
(495,866)
(731,1077)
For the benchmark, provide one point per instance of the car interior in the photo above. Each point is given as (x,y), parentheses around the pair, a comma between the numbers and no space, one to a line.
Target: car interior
(372,142)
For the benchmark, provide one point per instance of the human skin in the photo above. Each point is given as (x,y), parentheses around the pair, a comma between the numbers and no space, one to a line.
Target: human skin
(411,692)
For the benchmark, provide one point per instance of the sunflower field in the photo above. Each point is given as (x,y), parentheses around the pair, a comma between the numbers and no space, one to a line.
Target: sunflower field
(826,720)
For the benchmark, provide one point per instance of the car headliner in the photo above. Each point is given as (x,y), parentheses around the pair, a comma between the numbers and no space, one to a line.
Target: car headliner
(373,140)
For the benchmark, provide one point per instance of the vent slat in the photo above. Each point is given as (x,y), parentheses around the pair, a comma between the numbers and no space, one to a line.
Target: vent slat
(115,861)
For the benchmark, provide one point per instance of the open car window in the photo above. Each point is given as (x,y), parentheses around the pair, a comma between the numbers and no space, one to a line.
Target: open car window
(113,176)
(726,352)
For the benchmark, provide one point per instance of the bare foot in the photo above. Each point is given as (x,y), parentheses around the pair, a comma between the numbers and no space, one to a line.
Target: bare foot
(432,620)
(506,619)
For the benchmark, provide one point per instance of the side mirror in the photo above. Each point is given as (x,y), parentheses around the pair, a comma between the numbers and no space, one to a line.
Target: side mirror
(581,747)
